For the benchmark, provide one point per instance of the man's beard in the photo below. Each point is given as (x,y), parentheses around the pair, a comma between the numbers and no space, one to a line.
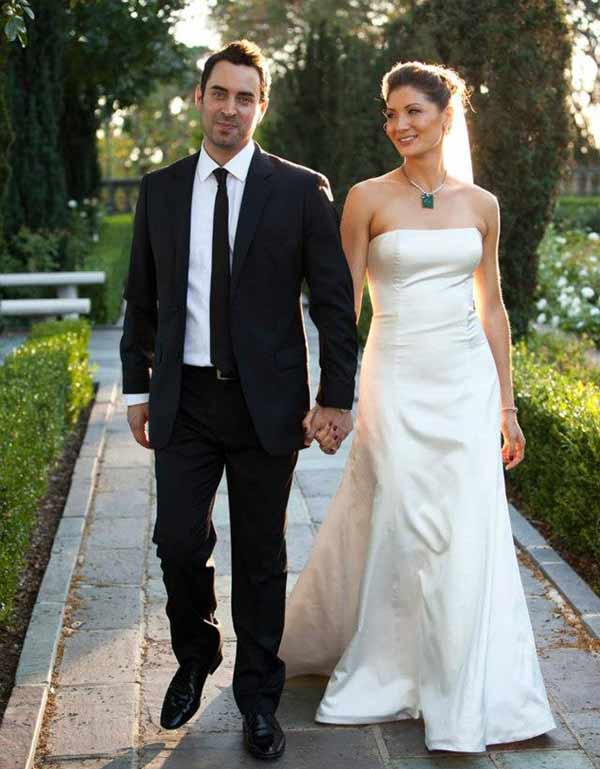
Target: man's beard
(225,140)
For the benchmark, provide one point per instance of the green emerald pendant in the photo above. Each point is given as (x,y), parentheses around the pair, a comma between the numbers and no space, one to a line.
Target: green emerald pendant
(427,200)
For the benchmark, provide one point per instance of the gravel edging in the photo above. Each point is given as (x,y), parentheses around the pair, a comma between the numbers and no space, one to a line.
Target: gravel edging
(568,583)
(24,712)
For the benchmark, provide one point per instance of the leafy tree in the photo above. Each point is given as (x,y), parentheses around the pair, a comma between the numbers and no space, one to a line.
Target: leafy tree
(158,130)
(116,51)
(279,27)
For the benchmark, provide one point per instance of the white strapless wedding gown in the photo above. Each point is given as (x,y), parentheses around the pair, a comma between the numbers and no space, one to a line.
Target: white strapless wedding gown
(412,599)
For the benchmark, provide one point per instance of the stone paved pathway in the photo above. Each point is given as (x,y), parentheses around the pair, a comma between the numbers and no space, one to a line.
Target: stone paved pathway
(116,661)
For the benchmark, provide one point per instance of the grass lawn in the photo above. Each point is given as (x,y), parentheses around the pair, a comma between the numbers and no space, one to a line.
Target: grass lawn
(111,254)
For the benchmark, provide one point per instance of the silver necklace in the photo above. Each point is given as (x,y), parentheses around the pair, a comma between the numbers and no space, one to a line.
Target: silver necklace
(426,197)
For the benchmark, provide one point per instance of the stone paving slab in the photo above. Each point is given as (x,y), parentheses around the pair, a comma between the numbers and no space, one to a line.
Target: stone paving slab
(347,749)
(115,504)
(124,479)
(586,725)
(126,761)
(112,533)
(445,762)
(60,568)
(94,720)
(104,657)
(113,567)
(21,726)
(69,528)
(79,498)
(108,608)
(573,678)
(41,642)
(131,456)
(317,508)
(318,483)
(570,759)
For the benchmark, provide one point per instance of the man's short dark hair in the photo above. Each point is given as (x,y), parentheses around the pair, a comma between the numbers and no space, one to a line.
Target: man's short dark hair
(240,52)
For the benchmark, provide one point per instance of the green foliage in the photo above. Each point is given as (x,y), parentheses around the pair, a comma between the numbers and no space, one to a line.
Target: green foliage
(276,26)
(37,193)
(577,213)
(43,386)
(514,54)
(116,51)
(326,110)
(559,479)
(6,138)
(160,129)
(14,13)
(35,251)
(572,356)
(110,254)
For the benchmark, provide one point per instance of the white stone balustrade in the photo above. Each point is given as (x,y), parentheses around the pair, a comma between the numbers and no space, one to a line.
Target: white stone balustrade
(67,303)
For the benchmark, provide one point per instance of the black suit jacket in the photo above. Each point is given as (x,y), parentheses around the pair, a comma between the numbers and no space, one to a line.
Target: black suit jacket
(287,232)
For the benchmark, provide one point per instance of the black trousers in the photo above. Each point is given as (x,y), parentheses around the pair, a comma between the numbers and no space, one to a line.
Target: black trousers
(214,431)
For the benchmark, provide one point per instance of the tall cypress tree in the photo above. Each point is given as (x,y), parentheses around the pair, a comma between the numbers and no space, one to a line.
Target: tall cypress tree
(6,138)
(326,111)
(37,196)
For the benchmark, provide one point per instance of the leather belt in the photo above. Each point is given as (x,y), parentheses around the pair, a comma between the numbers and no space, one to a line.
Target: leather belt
(222,377)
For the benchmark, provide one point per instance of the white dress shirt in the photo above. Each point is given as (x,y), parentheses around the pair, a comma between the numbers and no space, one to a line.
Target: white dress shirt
(196,350)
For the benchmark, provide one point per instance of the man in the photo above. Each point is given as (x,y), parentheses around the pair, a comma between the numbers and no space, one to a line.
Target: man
(222,242)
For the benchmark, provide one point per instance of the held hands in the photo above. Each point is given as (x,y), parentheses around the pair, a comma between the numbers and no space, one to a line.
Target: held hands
(137,417)
(513,447)
(329,426)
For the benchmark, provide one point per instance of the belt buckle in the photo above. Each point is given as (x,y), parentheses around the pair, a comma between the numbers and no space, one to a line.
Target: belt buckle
(222,378)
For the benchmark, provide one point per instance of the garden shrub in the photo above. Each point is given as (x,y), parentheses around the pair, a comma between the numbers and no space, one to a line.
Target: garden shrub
(44,385)
(568,290)
(560,416)
(567,354)
(577,213)
(111,254)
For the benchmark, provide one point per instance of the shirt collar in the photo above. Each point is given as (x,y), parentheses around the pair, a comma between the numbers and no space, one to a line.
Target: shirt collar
(238,165)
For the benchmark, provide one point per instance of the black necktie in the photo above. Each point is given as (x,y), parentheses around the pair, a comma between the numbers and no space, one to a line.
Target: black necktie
(221,349)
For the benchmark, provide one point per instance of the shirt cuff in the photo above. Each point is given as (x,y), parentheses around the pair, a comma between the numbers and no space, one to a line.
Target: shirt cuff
(134,399)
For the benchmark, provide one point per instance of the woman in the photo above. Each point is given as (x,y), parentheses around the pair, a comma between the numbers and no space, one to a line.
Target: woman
(412,600)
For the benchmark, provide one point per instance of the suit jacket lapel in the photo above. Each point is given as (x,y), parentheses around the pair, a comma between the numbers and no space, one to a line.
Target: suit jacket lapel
(256,192)
(183,185)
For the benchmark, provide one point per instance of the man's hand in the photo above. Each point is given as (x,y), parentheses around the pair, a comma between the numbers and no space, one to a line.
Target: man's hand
(329,426)
(137,417)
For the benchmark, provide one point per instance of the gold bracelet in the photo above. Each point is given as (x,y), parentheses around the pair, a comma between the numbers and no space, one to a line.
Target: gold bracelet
(509,408)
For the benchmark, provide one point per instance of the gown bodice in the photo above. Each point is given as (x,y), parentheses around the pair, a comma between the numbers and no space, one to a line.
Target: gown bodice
(422,280)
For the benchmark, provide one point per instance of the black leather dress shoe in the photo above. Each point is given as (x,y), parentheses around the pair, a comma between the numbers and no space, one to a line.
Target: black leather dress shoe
(263,736)
(183,696)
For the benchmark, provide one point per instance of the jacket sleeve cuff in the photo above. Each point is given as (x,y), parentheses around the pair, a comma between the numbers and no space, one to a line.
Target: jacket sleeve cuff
(336,395)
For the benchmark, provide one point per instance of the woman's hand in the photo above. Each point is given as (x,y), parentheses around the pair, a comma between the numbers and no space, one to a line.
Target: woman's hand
(513,448)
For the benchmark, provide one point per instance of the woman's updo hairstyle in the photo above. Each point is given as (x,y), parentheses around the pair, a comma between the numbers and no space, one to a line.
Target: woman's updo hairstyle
(439,84)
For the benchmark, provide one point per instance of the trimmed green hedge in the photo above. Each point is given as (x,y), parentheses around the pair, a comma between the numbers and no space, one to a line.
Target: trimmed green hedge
(44,385)
(577,213)
(558,395)
(110,254)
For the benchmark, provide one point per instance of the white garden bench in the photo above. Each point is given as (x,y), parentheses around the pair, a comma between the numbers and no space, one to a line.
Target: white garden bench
(67,302)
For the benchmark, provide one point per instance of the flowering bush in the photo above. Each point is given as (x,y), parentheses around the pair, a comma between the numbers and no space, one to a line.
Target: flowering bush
(568,293)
